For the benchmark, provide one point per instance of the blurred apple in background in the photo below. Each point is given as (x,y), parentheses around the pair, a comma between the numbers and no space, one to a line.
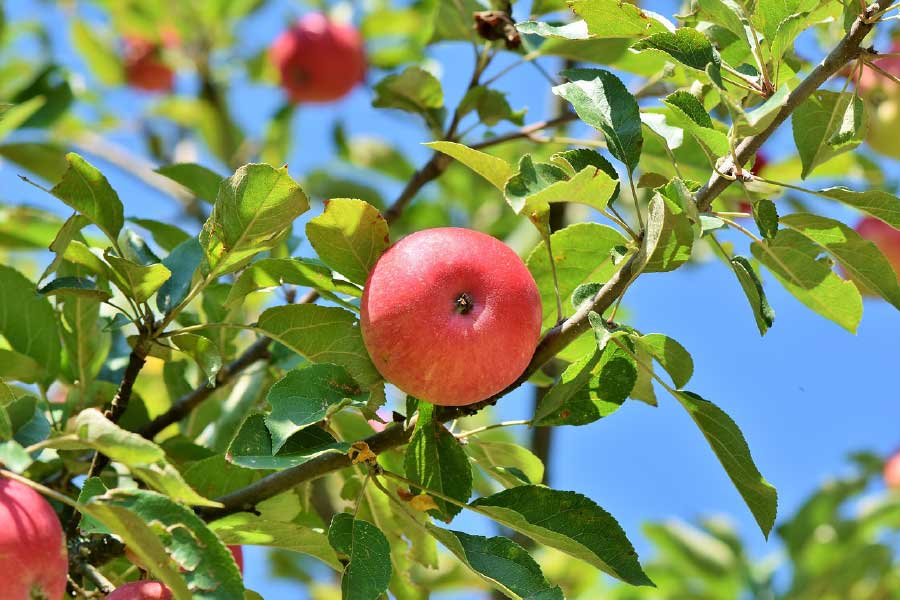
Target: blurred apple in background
(144,66)
(319,60)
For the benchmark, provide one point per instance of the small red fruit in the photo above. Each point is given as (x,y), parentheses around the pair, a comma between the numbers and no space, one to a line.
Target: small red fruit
(33,558)
(885,237)
(451,316)
(319,60)
(141,590)
(892,471)
(144,67)
(238,553)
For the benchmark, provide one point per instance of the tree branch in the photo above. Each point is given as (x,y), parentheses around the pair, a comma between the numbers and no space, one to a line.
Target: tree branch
(563,334)
(847,50)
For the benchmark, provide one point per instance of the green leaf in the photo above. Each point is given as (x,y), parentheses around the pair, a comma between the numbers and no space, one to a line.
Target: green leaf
(102,59)
(820,127)
(249,529)
(583,253)
(612,19)
(135,249)
(494,169)
(603,102)
(766,216)
(731,448)
(136,281)
(535,186)
(86,345)
(491,106)
(182,262)
(349,236)
(28,420)
(670,355)
(862,259)
(770,14)
(753,289)
(15,116)
(203,351)
(686,112)
(203,182)
(274,272)
(74,286)
(166,235)
(794,260)
(368,572)
(175,545)
(254,209)
(757,120)
(91,487)
(86,190)
(669,238)
(689,47)
(878,203)
(570,523)
(145,459)
(6,430)
(14,457)
(589,389)
(28,228)
(500,562)
(68,232)
(499,459)
(252,446)
(727,13)
(576,30)
(322,334)
(306,396)
(47,161)
(435,459)
(20,367)
(31,328)
(415,91)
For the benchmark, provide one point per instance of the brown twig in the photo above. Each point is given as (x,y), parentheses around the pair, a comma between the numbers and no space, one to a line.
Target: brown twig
(847,50)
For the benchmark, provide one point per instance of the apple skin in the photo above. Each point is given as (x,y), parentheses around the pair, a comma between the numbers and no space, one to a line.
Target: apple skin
(141,590)
(892,472)
(144,68)
(884,127)
(33,557)
(871,79)
(451,316)
(885,237)
(319,60)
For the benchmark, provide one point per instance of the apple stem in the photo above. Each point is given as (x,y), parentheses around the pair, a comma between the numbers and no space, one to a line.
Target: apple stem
(464,303)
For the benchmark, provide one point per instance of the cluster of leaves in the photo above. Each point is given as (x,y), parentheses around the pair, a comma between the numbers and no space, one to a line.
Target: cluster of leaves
(147,320)
(839,543)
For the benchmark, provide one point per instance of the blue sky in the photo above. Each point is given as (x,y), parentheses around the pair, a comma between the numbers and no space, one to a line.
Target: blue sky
(804,395)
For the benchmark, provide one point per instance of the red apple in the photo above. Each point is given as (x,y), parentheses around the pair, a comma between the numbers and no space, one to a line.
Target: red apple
(319,60)
(450,316)
(141,590)
(885,237)
(892,471)
(144,67)
(872,79)
(238,553)
(33,558)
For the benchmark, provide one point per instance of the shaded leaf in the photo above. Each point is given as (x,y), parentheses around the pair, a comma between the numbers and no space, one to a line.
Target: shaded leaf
(368,572)
(568,522)
(349,236)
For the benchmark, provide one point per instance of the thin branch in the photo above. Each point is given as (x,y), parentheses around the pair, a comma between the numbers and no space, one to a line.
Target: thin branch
(846,50)
(184,405)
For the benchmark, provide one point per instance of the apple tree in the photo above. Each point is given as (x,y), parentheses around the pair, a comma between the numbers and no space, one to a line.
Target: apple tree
(307,360)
